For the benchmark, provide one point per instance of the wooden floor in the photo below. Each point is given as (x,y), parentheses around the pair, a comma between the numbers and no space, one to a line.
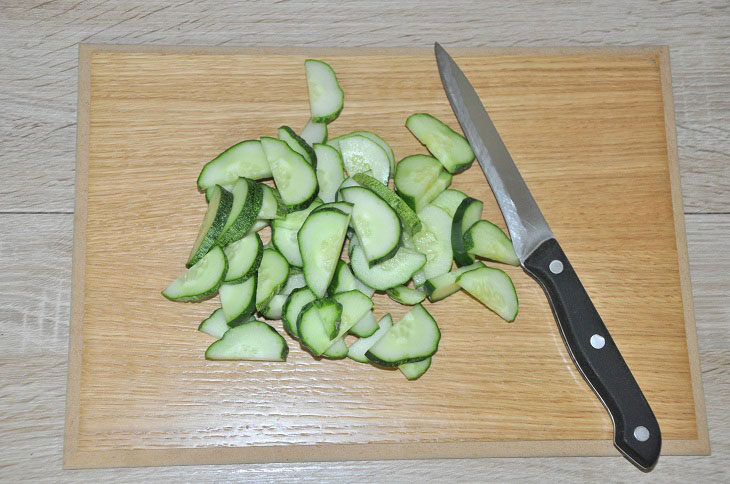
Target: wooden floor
(37,140)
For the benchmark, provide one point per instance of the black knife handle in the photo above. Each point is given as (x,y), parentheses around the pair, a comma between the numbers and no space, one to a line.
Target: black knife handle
(636,430)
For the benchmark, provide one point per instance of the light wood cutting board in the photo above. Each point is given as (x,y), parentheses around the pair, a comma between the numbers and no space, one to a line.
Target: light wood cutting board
(592,132)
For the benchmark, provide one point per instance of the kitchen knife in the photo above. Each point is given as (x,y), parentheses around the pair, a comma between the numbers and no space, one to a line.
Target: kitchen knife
(635,428)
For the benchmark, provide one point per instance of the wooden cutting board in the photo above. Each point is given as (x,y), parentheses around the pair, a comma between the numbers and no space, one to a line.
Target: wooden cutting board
(592,132)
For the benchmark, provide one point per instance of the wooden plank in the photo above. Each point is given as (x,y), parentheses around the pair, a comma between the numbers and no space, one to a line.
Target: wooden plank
(179,108)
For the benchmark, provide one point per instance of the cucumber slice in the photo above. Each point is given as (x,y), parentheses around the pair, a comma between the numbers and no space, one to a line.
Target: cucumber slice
(353,243)
(314,133)
(298,144)
(329,312)
(493,288)
(485,239)
(366,326)
(209,191)
(320,242)
(233,324)
(338,349)
(448,146)
(361,154)
(335,143)
(271,276)
(376,224)
(258,225)
(247,199)
(294,176)
(418,277)
(201,281)
(344,207)
(449,200)
(215,324)
(295,281)
(439,287)
(314,330)
(255,340)
(434,240)
(363,288)
(245,159)
(358,349)
(295,220)
(272,207)
(238,301)
(442,183)
(395,271)
(293,306)
(275,307)
(414,371)
(330,171)
(343,280)
(414,175)
(284,233)
(347,183)
(410,221)
(468,213)
(414,338)
(219,208)
(405,295)
(244,258)
(326,97)
(355,305)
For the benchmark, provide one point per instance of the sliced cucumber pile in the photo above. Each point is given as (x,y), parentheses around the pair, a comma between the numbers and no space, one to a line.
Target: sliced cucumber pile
(339,234)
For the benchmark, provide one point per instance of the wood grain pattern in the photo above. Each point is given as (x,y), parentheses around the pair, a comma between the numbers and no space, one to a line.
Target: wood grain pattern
(37,117)
(176,108)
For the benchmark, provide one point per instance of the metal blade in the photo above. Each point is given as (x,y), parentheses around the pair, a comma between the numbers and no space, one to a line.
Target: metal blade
(526,224)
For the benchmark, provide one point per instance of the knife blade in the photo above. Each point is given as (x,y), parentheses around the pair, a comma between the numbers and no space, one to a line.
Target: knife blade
(636,431)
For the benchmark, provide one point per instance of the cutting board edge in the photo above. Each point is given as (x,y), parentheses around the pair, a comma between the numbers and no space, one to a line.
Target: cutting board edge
(78,258)
(75,459)
(690,324)
(87,49)
(362,452)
